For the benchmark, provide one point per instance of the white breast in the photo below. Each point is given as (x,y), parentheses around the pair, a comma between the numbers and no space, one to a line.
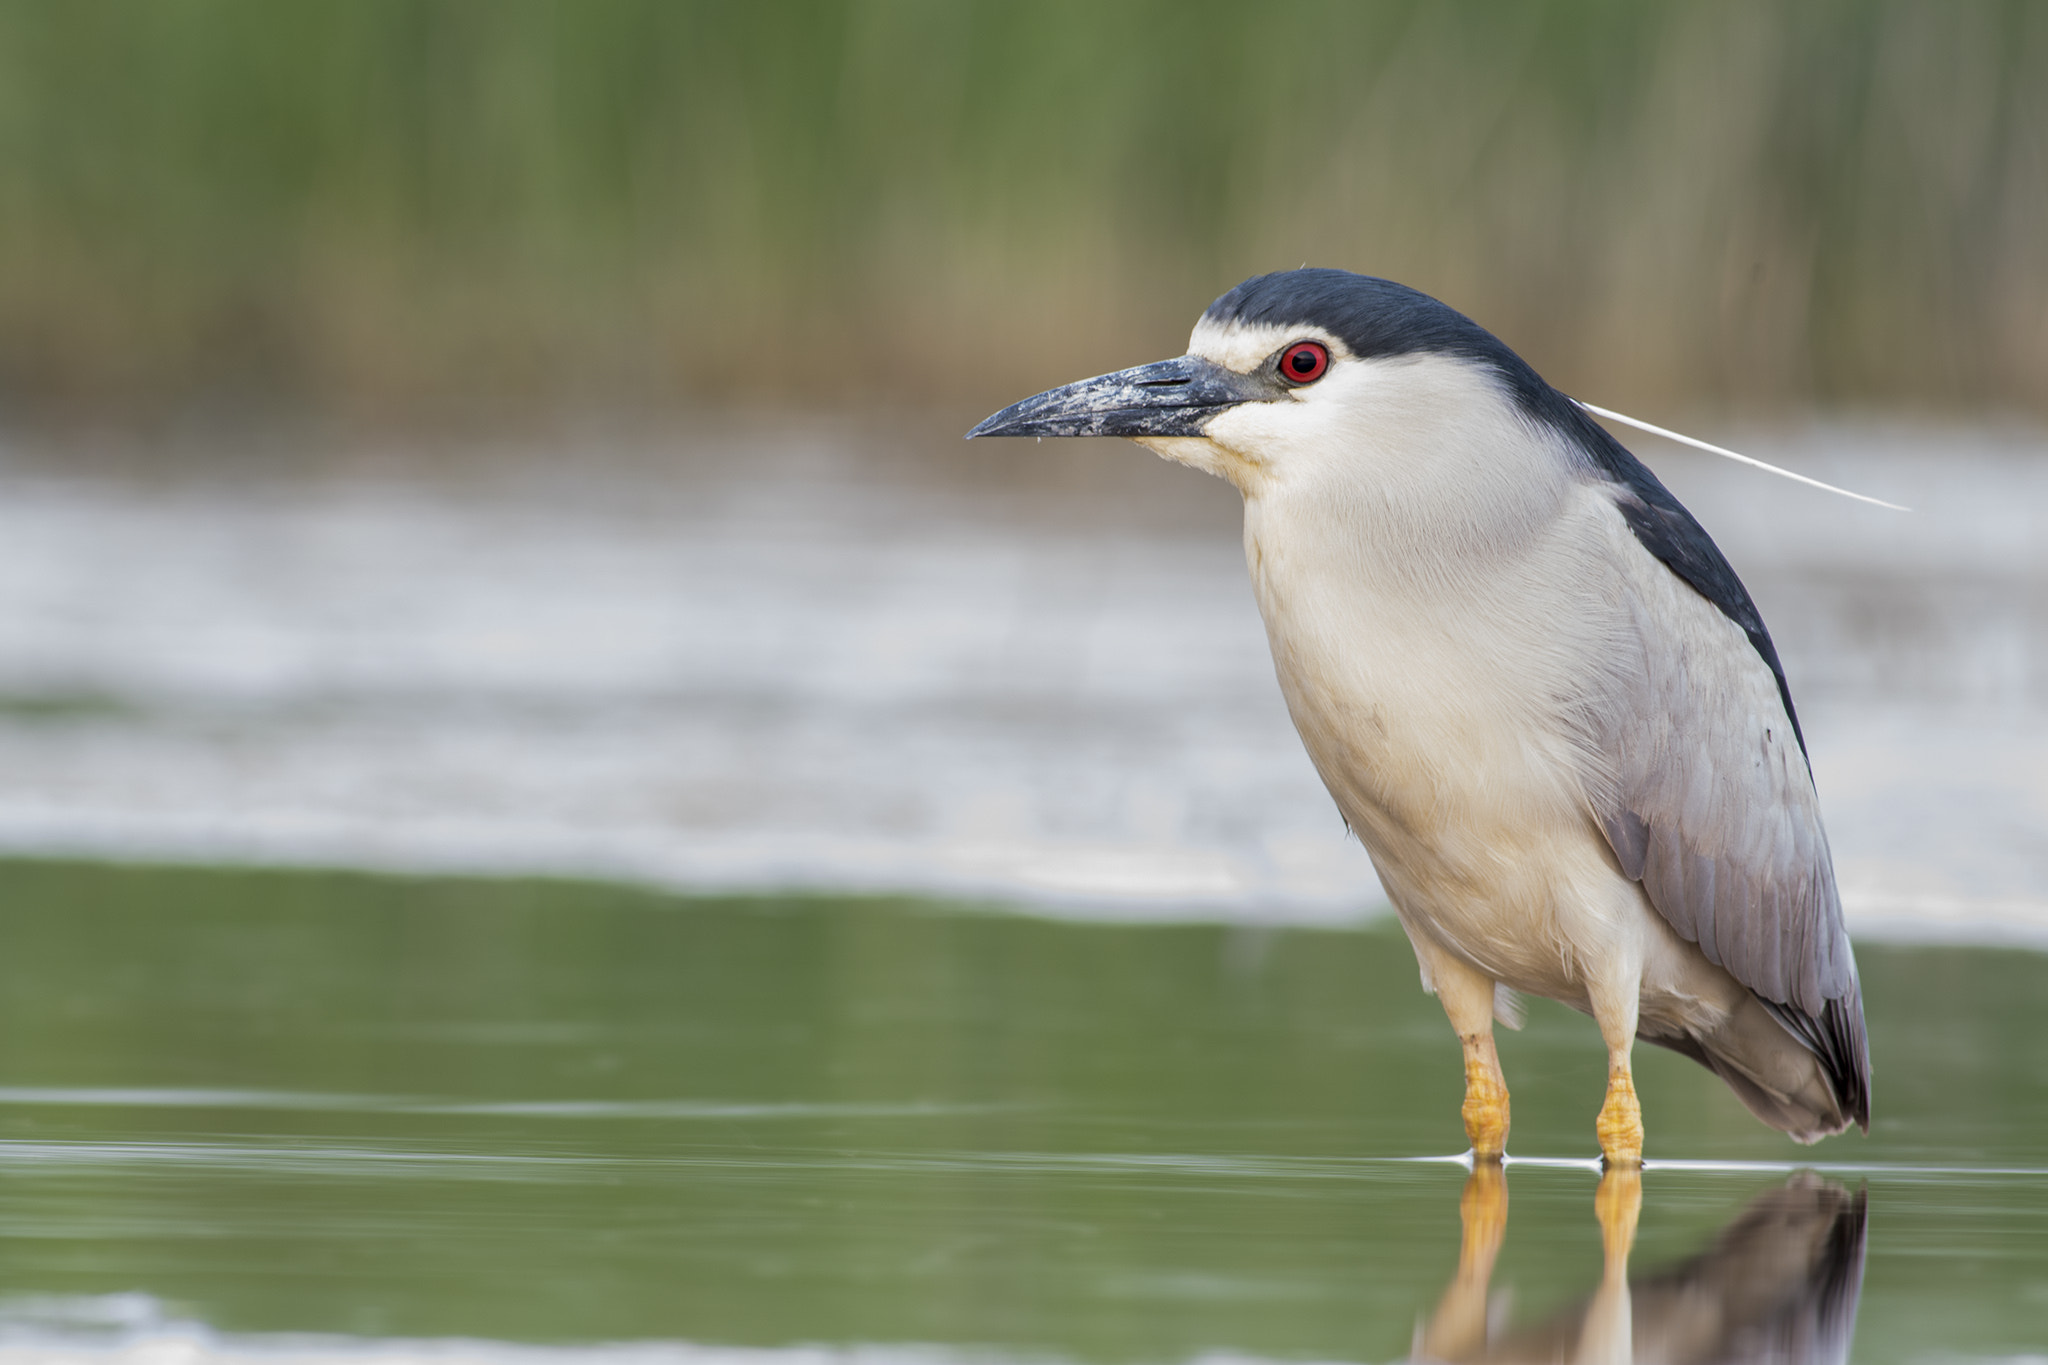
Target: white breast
(1442,607)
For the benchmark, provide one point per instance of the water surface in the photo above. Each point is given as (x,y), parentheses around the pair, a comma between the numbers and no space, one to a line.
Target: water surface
(249,1113)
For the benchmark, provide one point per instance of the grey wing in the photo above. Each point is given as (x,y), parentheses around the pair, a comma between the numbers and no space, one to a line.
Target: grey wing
(1713,809)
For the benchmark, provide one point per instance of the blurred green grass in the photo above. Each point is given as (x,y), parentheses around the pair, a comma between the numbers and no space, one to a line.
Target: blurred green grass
(379,205)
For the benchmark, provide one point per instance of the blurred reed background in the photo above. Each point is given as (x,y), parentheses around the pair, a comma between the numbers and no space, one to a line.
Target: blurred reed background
(389,207)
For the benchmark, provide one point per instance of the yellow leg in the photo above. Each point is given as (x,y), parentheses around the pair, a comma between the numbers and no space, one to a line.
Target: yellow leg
(1615,993)
(1621,1118)
(1486,1098)
(1467,996)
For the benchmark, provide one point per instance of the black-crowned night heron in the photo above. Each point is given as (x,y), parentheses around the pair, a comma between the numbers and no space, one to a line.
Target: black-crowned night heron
(1539,694)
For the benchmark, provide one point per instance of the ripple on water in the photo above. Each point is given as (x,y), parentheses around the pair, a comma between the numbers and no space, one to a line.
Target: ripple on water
(328,1113)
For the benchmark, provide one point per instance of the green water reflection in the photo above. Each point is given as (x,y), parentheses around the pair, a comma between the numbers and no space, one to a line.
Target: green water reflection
(551,1112)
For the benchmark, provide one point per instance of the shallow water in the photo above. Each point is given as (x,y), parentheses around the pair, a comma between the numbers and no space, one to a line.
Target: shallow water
(264,1114)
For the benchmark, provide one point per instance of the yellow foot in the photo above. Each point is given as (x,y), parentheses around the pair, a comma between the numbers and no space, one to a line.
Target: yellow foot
(1621,1123)
(1486,1109)
(1618,1204)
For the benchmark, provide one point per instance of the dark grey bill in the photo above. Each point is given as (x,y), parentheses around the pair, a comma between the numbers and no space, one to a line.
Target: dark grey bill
(1170,398)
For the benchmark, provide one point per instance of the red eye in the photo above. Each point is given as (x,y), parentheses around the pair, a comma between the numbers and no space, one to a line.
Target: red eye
(1304,362)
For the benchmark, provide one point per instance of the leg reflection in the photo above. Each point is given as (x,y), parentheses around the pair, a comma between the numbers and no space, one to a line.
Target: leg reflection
(1607,1332)
(1457,1330)
(1780,1282)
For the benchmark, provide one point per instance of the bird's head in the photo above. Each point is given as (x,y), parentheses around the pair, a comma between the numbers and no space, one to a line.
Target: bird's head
(1294,371)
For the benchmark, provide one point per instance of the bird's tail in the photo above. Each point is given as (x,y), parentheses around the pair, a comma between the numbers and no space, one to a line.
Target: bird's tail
(1778,1077)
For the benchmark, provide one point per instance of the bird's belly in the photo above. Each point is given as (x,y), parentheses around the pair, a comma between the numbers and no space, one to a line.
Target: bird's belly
(1453,706)
(1474,812)
(1492,855)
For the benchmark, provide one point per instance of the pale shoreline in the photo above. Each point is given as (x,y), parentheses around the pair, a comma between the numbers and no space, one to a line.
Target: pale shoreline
(757,658)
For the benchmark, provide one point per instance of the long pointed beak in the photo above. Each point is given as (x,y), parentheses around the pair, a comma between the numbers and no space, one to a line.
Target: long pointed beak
(1169,398)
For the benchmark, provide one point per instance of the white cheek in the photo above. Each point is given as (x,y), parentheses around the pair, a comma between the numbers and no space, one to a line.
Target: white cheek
(1370,420)
(1311,427)
(1251,430)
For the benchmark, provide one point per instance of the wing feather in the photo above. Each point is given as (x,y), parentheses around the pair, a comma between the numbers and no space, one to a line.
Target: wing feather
(1713,809)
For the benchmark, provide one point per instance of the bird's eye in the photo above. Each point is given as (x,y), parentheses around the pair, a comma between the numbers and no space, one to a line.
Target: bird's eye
(1304,362)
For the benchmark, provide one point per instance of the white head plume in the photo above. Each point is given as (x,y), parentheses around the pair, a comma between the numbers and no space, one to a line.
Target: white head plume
(1697,444)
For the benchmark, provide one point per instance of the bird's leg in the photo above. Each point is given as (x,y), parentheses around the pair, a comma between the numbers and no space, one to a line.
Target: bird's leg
(1620,1126)
(1467,997)
(1621,1117)
(1486,1098)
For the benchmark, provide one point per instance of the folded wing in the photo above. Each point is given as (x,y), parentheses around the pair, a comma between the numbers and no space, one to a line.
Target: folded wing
(1712,805)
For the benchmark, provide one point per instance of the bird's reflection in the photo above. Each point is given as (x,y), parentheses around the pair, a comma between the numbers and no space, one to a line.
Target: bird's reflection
(1780,1283)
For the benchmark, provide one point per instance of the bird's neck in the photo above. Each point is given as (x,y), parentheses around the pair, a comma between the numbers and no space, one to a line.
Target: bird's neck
(1422,513)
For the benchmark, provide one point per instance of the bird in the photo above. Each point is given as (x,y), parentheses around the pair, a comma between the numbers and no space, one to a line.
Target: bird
(1537,691)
